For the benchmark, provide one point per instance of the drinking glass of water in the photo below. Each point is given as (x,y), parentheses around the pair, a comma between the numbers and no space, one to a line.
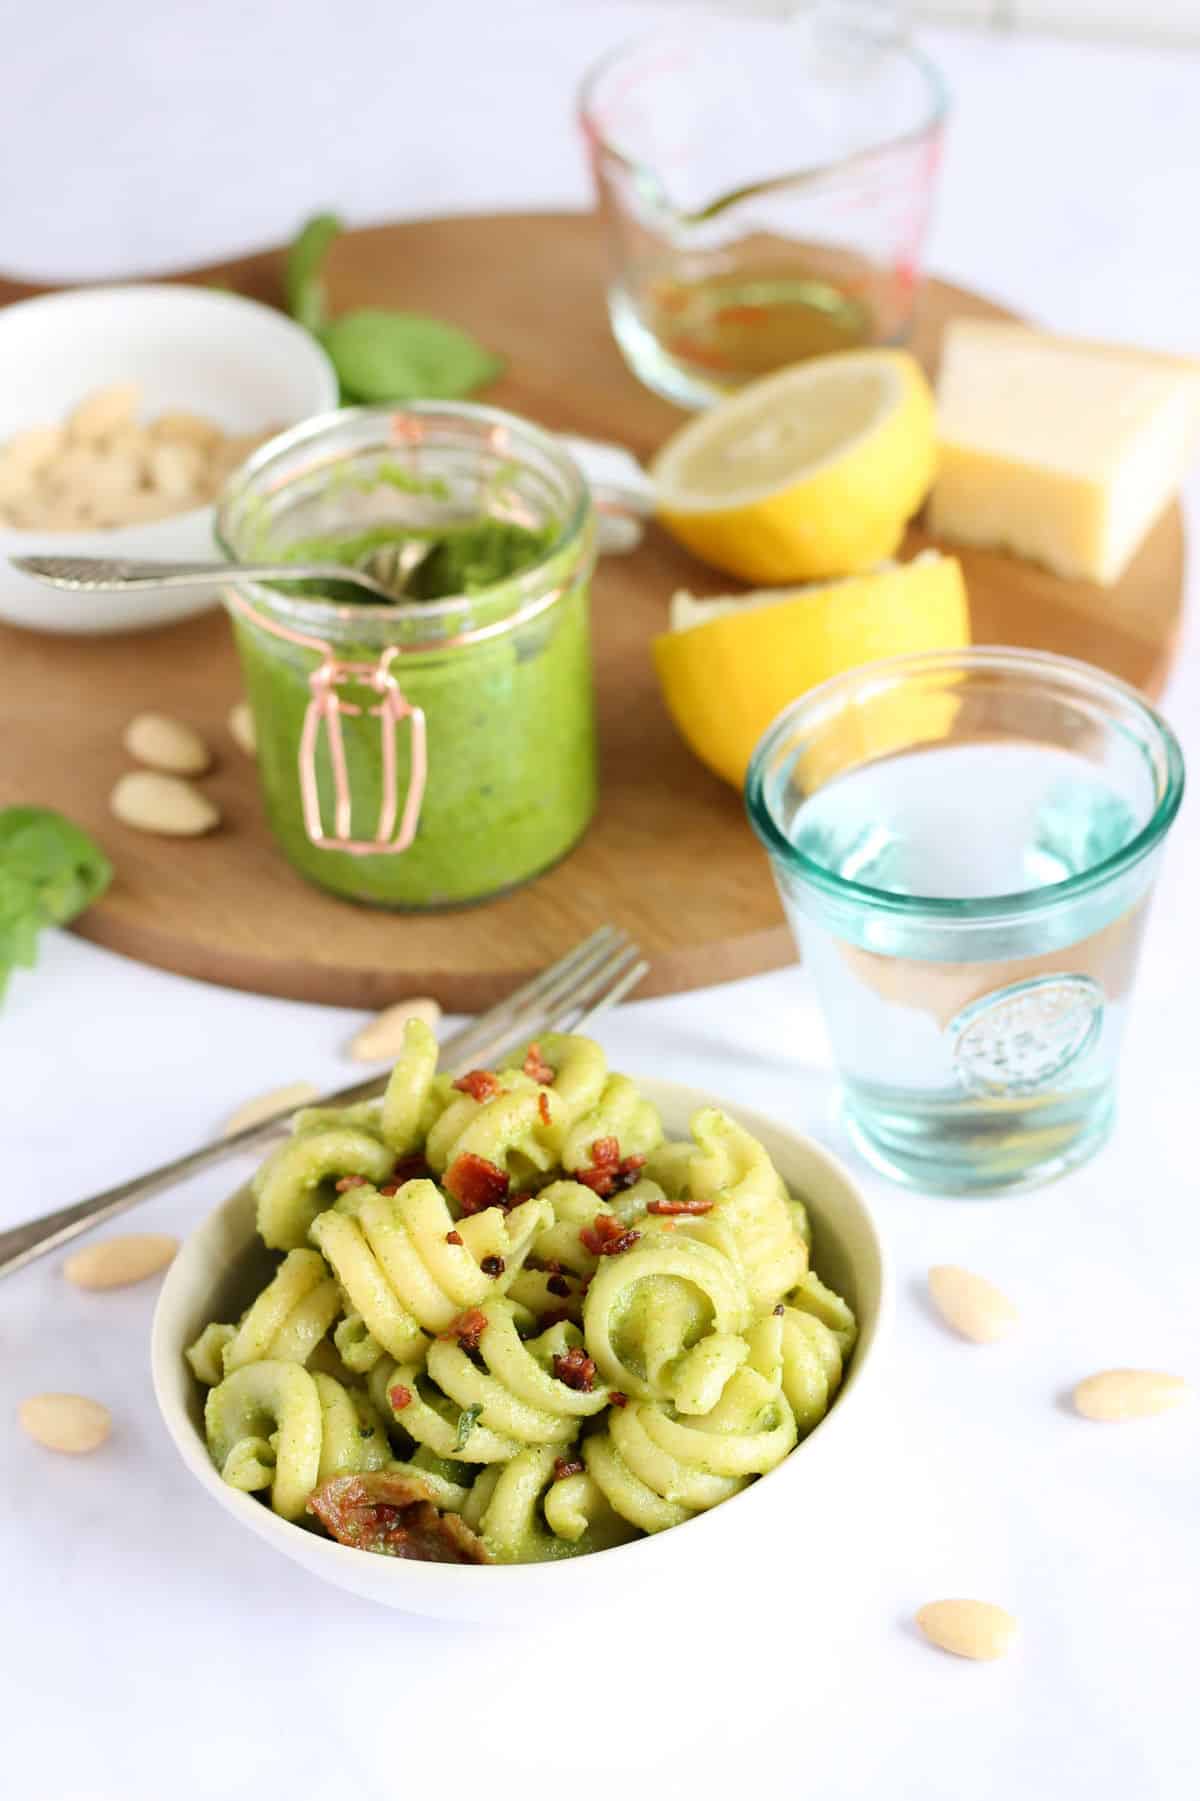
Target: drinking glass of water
(965,843)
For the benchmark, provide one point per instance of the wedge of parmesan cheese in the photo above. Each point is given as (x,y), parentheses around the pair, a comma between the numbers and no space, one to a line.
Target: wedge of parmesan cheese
(1062,451)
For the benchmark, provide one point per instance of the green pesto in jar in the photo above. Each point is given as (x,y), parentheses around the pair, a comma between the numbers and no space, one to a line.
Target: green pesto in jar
(511,782)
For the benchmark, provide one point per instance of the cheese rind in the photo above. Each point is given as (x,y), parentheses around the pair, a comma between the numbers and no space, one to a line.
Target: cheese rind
(1060,451)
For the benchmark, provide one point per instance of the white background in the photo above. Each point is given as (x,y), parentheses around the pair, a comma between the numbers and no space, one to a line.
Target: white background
(150,1647)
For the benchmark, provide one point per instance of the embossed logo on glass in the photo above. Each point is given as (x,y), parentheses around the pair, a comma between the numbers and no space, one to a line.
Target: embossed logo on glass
(1019,1039)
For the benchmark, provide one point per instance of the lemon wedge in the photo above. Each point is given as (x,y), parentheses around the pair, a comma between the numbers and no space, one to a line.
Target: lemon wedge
(728,666)
(809,473)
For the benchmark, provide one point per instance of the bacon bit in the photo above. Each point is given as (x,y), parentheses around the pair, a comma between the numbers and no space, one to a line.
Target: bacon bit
(492,1266)
(480,1084)
(394,1515)
(536,1067)
(475,1183)
(668,1207)
(555,1317)
(778,1310)
(558,1285)
(544,1108)
(567,1466)
(606,1237)
(615,1246)
(454,1238)
(400,1397)
(468,1328)
(575,1368)
(406,1169)
(617,1399)
(345,1183)
(609,1170)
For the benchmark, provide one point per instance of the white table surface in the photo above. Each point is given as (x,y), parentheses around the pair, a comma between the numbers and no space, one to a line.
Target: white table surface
(150,1646)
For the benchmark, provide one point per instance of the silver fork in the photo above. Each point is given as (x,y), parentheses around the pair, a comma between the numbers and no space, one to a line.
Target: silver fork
(568,996)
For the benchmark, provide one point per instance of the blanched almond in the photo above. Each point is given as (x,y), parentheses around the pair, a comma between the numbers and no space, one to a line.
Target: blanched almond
(241,728)
(974,1629)
(65,1422)
(381,1040)
(970,1305)
(117,1262)
(33,448)
(104,411)
(276,1100)
(1129,1394)
(167,744)
(150,802)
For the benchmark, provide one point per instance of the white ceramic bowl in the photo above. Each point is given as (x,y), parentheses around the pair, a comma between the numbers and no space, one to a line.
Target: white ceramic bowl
(230,359)
(222,1265)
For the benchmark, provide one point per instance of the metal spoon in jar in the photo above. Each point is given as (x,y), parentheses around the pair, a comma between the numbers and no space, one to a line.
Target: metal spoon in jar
(385,576)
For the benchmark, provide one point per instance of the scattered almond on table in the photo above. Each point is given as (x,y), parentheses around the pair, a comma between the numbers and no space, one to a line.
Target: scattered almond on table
(119,1262)
(1129,1394)
(262,1106)
(60,1422)
(150,801)
(381,1040)
(974,1629)
(103,468)
(167,744)
(970,1305)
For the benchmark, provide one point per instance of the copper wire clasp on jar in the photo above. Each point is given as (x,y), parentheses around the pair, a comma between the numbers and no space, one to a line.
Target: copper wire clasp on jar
(327,708)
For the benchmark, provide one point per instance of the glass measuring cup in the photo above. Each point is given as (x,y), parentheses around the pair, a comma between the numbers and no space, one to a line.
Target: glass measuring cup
(965,843)
(766,187)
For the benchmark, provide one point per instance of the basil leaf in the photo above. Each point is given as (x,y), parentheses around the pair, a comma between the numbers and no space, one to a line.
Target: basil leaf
(466,1424)
(50,870)
(381,355)
(303,284)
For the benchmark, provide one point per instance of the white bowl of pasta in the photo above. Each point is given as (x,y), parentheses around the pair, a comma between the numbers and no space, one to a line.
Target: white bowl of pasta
(694,1346)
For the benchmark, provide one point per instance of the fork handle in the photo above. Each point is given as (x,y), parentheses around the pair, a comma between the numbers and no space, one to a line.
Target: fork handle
(36,1237)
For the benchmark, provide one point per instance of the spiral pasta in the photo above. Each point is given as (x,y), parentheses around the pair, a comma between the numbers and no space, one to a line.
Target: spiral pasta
(406,1268)
(273,1425)
(657,1470)
(730,1168)
(287,1321)
(511,1322)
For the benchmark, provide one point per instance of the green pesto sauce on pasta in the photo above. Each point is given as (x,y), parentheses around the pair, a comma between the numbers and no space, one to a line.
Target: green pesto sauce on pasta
(511,1322)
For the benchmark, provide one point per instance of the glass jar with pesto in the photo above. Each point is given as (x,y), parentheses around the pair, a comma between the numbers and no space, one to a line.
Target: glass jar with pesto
(440,749)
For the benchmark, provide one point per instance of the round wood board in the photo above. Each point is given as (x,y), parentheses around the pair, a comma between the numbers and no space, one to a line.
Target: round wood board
(670,856)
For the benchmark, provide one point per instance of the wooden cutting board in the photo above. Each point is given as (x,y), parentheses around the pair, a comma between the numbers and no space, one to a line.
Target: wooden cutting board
(669,856)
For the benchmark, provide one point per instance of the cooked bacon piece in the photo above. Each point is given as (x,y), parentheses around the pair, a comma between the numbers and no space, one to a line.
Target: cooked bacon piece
(400,1397)
(475,1183)
(394,1515)
(575,1368)
(492,1266)
(607,1237)
(617,1399)
(544,1108)
(680,1207)
(405,1169)
(344,1183)
(558,1285)
(468,1328)
(567,1466)
(454,1238)
(554,1318)
(480,1084)
(609,1171)
(536,1067)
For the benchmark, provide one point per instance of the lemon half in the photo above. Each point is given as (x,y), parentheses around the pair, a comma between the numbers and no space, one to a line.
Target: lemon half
(809,473)
(728,667)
